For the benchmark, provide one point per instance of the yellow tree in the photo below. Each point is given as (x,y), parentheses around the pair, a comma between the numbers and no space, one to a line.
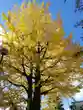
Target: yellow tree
(40,60)
(11,96)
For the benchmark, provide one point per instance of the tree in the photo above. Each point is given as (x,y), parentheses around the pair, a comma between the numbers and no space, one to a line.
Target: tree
(72,107)
(10,95)
(78,7)
(59,106)
(40,60)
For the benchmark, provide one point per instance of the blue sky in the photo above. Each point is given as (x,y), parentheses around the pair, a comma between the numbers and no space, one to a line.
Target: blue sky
(68,15)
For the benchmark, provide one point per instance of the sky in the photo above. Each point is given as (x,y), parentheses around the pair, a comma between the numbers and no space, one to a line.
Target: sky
(69,18)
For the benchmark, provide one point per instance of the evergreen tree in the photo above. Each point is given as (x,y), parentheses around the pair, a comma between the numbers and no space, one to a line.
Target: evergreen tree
(59,106)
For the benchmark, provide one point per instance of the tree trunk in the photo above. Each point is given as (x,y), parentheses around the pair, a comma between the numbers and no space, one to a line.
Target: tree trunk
(30,91)
(37,98)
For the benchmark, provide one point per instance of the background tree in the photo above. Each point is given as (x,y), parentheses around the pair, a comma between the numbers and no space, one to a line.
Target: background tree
(40,60)
(10,95)
(78,7)
(59,105)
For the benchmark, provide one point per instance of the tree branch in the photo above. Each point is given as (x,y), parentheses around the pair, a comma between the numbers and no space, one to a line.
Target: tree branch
(10,65)
(23,66)
(51,66)
(18,85)
(44,52)
(47,91)
(46,81)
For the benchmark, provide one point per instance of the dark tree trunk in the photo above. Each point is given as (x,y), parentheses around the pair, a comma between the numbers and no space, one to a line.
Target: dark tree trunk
(30,91)
(37,98)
